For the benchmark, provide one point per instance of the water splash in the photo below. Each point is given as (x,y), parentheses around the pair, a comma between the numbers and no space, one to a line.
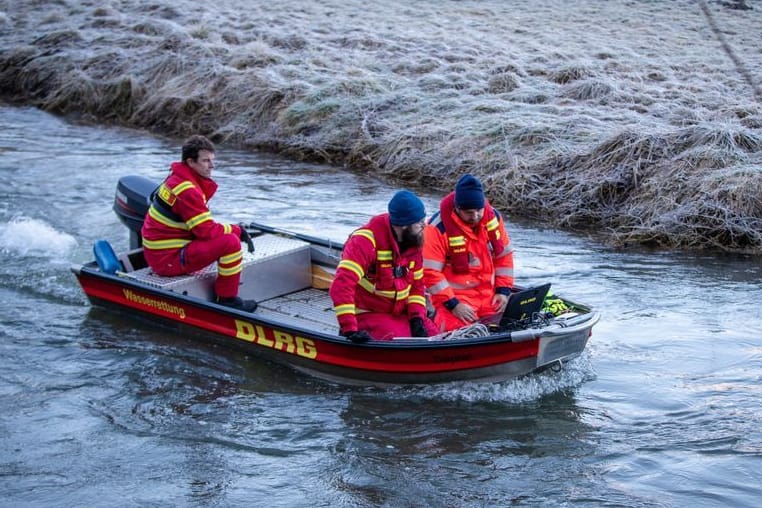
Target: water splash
(516,391)
(26,236)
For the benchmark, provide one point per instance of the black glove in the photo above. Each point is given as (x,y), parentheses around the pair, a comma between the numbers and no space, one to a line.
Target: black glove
(358,337)
(246,237)
(417,329)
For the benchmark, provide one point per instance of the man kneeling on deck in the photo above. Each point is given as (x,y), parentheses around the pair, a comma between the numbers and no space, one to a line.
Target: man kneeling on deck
(378,289)
(179,234)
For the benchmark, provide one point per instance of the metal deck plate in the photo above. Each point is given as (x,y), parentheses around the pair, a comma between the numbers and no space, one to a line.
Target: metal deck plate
(278,265)
(310,308)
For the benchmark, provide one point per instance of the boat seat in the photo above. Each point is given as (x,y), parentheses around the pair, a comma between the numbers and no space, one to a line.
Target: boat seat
(278,266)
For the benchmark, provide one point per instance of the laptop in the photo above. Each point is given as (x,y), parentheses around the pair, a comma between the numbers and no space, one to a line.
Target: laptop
(522,305)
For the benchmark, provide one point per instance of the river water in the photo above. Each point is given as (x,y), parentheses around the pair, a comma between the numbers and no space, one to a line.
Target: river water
(663,409)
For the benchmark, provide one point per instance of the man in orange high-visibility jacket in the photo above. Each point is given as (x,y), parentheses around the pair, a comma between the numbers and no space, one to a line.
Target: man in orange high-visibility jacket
(467,257)
(378,289)
(179,234)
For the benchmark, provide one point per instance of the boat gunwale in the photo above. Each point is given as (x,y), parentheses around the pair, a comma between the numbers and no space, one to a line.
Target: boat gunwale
(589,319)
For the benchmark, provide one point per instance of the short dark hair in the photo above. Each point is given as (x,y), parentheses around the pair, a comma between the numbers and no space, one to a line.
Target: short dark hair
(195,144)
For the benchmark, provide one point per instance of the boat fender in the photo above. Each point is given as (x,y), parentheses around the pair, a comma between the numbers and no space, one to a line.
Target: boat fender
(523,335)
(106,257)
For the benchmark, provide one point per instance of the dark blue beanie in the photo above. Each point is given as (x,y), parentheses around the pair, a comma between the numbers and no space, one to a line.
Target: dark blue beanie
(469,194)
(405,208)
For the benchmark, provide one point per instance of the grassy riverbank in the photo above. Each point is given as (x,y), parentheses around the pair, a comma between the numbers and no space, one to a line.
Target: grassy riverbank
(638,119)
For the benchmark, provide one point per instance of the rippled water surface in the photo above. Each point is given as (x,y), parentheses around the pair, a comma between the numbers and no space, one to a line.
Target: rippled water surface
(97,409)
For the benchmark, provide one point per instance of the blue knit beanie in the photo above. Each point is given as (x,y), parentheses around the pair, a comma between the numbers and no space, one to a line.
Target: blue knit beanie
(469,194)
(405,208)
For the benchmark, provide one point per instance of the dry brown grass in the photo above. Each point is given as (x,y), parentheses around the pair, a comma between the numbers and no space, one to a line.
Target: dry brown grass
(639,121)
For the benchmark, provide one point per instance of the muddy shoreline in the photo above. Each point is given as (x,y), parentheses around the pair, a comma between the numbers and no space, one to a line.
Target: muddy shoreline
(638,120)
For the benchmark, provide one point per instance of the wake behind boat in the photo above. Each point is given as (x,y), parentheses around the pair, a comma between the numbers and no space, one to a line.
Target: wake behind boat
(289,275)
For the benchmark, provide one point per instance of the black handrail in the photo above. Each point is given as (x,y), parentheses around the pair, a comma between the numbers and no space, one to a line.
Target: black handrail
(307,238)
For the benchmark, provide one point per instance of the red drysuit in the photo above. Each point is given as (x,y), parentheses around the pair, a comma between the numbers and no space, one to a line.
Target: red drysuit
(180,236)
(377,288)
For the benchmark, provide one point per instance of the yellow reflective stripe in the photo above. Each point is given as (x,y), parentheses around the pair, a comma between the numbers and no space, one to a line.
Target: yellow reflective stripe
(367,285)
(418,274)
(402,295)
(227,228)
(182,187)
(367,233)
(352,267)
(347,308)
(163,219)
(384,255)
(229,271)
(231,258)
(172,243)
(457,241)
(370,288)
(419,299)
(198,219)
(493,224)
(166,194)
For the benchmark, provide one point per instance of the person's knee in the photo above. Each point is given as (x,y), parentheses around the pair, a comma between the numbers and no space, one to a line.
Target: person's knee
(230,244)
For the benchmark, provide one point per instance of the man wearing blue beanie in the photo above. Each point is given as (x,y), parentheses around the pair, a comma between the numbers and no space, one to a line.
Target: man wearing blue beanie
(378,291)
(405,208)
(469,194)
(467,257)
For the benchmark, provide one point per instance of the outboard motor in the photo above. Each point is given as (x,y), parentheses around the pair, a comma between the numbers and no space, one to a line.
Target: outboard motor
(131,203)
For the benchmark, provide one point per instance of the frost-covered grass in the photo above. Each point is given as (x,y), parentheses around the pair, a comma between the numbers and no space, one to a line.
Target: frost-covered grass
(637,119)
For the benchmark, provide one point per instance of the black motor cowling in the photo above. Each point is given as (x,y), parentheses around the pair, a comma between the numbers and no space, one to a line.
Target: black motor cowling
(131,203)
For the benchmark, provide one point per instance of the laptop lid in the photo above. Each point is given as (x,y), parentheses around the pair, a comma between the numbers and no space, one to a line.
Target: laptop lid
(523,304)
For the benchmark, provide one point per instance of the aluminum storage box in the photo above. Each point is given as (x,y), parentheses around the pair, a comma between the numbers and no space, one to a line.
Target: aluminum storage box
(278,266)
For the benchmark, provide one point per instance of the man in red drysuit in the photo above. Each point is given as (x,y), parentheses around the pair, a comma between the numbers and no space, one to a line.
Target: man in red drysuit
(378,288)
(179,234)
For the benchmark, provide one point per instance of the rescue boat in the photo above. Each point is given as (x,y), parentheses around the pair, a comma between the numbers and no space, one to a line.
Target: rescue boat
(289,274)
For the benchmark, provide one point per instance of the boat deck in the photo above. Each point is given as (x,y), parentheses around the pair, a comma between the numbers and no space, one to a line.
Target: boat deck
(309,308)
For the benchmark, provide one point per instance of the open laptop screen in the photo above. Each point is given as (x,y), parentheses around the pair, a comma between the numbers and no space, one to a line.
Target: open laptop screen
(522,305)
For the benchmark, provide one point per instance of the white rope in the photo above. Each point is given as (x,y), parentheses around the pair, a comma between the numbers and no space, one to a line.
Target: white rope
(471,331)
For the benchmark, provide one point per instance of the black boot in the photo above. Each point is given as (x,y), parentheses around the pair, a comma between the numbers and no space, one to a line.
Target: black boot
(236,302)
